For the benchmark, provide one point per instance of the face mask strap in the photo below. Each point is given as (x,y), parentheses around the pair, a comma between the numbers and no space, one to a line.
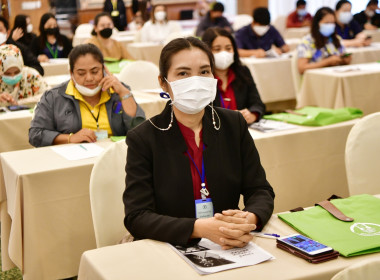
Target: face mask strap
(171,121)
(213,112)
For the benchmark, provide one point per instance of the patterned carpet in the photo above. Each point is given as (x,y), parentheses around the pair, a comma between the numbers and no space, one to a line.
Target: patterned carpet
(13,274)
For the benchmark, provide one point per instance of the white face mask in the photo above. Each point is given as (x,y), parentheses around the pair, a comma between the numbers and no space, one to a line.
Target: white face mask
(192,95)
(369,13)
(85,90)
(260,30)
(345,17)
(29,28)
(223,60)
(159,16)
(3,38)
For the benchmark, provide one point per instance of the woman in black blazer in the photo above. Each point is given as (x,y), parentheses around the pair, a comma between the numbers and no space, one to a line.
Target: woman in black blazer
(165,180)
(236,88)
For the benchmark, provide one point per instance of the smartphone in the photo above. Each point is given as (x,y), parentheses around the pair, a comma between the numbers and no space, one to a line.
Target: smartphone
(17,107)
(304,244)
(368,37)
(346,54)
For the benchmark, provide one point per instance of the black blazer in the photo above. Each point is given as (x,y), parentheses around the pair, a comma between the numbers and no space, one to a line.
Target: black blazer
(246,94)
(159,199)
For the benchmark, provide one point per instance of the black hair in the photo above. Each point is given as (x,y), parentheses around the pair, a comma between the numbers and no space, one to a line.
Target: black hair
(211,34)
(43,36)
(320,40)
(178,45)
(300,3)
(5,22)
(373,2)
(261,15)
(217,7)
(97,18)
(20,22)
(82,50)
(341,3)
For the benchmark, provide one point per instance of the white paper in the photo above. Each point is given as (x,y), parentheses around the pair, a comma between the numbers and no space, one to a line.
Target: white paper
(208,257)
(78,151)
(271,126)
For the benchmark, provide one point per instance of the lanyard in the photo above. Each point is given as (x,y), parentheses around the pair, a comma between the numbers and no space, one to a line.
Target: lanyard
(97,118)
(204,191)
(114,5)
(55,53)
(222,102)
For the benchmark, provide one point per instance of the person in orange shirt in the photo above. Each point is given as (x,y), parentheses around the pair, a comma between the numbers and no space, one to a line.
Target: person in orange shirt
(300,17)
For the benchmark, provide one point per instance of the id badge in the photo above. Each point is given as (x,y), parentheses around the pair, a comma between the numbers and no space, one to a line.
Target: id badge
(115,13)
(204,208)
(101,134)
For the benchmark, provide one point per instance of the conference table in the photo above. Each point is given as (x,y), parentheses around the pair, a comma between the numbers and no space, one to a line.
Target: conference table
(365,54)
(149,259)
(273,77)
(296,32)
(46,221)
(342,86)
(375,34)
(145,51)
(57,66)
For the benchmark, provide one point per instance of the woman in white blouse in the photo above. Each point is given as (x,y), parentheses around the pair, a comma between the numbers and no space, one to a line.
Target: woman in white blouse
(158,28)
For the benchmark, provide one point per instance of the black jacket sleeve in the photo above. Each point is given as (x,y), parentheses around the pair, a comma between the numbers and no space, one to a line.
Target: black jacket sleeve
(254,103)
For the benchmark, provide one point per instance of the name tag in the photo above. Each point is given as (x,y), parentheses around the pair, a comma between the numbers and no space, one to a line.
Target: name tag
(204,208)
(101,134)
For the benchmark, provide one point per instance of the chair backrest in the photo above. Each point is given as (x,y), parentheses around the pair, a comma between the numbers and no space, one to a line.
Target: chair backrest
(107,184)
(241,21)
(280,24)
(368,270)
(84,28)
(362,156)
(140,75)
(295,73)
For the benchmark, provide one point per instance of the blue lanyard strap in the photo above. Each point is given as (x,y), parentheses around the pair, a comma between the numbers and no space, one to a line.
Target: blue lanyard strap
(204,191)
(222,102)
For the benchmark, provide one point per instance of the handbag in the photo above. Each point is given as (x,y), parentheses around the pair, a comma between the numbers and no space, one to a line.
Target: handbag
(351,238)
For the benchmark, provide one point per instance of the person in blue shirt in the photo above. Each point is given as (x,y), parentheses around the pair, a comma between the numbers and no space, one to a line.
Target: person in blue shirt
(347,27)
(213,18)
(369,19)
(257,38)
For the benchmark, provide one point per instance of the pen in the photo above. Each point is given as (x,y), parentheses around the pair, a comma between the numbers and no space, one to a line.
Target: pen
(265,235)
(83,147)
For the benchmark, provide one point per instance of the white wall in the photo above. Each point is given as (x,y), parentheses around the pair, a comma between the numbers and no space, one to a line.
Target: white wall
(284,7)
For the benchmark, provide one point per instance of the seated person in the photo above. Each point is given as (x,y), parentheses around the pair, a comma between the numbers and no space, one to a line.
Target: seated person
(50,43)
(116,9)
(22,31)
(322,47)
(179,208)
(28,57)
(19,84)
(369,19)
(93,102)
(213,18)
(257,38)
(101,38)
(158,28)
(300,17)
(201,9)
(137,22)
(236,88)
(347,28)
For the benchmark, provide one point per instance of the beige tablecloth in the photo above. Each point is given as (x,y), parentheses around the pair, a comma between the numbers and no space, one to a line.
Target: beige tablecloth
(148,259)
(273,78)
(46,196)
(296,32)
(375,34)
(365,54)
(343,86)
(145,51)
(14,128)
(59,66)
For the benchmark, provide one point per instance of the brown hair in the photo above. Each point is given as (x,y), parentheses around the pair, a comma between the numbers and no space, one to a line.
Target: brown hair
(178,45)
(152,18)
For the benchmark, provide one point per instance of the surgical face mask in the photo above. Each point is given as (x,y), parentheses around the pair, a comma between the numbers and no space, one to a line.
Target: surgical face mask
(260,30)
(106,33)
(85,90)
(345,17)
(12,80)
(302,12)
(369,13)
(52,31)
(192,95)
(3,37)
(327,29)
(223,60)
(29,28)
(160,15)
